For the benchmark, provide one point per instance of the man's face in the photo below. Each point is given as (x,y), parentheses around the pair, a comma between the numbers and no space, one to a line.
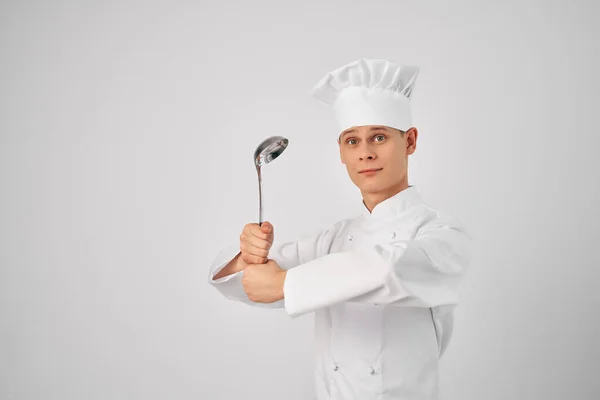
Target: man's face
(382,149)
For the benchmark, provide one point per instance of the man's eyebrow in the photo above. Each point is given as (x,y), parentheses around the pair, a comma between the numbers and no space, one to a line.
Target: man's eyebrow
(372,129)
(348,131)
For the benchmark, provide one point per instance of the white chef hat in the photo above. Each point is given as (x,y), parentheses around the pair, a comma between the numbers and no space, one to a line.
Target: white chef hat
(369,92)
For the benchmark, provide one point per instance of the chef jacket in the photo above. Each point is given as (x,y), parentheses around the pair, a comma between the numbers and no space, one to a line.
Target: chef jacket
(383,287)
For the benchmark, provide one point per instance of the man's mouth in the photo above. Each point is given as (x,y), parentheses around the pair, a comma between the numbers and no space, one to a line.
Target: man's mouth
(369,170)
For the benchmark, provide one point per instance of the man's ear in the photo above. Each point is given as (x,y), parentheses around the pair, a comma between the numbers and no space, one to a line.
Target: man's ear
(411,140)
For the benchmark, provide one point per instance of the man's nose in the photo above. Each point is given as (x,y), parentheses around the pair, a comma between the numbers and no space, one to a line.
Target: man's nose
(366,153)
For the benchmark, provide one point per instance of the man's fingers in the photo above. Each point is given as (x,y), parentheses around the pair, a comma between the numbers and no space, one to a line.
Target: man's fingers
(252,259)
(257,251)
(257,241)
(260,248)
(261,235)
(260,243)
(264,231)
(254,230)
(266,227)
(253,250)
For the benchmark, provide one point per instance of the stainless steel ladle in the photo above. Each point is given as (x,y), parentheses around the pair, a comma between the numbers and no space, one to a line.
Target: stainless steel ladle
(266,152)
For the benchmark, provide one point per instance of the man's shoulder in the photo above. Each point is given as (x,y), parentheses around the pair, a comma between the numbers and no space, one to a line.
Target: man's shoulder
(429,217)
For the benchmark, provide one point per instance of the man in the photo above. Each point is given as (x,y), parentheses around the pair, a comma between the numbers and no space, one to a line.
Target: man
(383,285)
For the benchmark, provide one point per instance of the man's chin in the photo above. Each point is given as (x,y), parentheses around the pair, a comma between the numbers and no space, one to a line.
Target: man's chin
(370,187)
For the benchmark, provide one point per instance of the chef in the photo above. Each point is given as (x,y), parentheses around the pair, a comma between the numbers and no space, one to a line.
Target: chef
(383,284)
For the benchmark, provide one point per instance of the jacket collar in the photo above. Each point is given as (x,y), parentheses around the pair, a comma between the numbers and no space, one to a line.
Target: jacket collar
(394,205)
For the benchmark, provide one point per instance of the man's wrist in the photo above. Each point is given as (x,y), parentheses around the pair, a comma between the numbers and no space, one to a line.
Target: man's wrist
(240,264)
(283,276)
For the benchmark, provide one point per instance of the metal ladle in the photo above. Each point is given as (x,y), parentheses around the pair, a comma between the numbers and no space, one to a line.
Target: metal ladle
(266,152)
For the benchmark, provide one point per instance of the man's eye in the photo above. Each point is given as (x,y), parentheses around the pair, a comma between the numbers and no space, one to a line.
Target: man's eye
(379,136)
(351,141)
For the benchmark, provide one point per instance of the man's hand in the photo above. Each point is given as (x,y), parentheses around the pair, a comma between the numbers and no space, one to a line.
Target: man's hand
(255,242)
(263,283)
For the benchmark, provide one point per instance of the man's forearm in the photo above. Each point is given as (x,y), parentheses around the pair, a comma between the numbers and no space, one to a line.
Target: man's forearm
(235,265)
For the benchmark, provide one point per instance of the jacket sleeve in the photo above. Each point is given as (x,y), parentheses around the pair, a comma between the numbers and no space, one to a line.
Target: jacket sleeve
(287,255)
(422,272)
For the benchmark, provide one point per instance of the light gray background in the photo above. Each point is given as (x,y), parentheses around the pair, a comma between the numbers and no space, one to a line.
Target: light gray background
(127,132)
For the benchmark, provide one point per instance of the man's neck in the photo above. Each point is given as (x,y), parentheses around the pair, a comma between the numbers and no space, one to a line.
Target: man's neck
(371,199)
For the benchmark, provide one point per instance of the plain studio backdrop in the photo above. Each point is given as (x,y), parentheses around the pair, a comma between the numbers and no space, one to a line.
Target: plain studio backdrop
(127,133)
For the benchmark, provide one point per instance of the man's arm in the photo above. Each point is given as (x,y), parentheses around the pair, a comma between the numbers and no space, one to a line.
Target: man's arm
(226,273)
(234,266)
(423,272)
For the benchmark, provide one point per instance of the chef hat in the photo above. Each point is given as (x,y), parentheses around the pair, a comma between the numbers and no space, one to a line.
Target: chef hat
(369,92)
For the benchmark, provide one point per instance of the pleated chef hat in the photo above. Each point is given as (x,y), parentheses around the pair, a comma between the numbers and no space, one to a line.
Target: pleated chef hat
(369,92)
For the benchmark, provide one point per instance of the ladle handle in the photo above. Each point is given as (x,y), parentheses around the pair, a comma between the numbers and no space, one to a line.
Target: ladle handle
(260,213)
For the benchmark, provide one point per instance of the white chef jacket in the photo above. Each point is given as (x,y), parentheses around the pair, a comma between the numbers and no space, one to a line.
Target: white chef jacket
(383,287)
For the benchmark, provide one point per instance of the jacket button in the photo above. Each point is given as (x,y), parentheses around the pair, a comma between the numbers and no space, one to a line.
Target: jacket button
(371,371)
(335,367)
(350,237)
(393,235)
